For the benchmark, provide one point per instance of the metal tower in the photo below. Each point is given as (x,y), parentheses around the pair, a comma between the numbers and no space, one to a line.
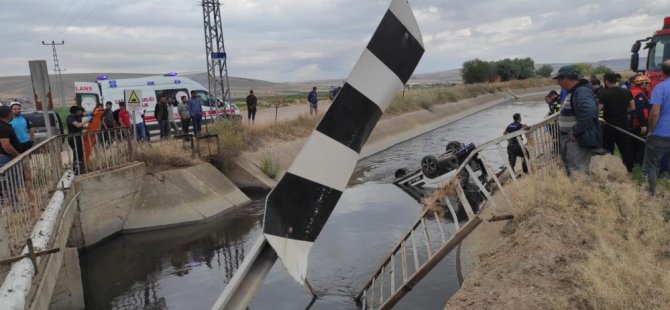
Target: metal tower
(217,68)
(57,70)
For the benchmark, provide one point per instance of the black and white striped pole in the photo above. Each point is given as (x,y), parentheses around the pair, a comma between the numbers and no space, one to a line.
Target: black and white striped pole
(297,209)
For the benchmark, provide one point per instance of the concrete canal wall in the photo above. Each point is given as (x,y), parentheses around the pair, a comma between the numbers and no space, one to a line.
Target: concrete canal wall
(130,199)
(245,169)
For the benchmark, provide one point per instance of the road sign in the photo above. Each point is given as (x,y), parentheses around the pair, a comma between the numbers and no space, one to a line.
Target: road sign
(218,55)
(133,99)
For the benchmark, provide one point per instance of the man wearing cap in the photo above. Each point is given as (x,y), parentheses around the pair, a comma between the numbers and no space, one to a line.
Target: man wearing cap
(9,143)
(658,137)
(23,128)
(578,121)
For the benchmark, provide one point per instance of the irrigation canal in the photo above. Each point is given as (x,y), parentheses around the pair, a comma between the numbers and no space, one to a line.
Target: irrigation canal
(188,267)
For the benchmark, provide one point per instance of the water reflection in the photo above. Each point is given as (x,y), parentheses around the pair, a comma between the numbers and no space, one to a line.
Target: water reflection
(146,270)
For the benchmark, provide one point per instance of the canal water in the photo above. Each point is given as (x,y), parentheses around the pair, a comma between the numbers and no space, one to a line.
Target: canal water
(188,267)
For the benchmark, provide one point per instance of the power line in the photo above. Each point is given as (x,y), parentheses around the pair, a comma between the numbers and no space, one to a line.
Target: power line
(58,70)
(76,14)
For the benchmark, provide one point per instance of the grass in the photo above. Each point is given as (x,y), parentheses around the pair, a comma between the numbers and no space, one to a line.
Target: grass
(166,155)
(426,98)
(269,166)
(598,242)
(237,137)
(640,177)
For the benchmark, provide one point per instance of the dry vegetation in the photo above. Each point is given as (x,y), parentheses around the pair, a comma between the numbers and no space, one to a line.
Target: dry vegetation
(165,155)
(425,98)
(237,137)
(582,243)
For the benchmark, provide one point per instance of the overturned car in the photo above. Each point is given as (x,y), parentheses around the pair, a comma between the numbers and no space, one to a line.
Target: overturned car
(434,170)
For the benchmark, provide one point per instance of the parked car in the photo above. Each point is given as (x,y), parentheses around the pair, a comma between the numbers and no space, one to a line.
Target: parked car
(37,119)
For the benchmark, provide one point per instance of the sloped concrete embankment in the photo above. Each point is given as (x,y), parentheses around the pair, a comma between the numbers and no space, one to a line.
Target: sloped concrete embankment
(130,199)
(245,171)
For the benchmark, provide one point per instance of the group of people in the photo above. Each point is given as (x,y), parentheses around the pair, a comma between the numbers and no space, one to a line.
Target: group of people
(189,111)
(594,119)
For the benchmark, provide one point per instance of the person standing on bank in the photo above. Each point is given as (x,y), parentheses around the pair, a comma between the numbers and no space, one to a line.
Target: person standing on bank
(161,111)
(514,149)
(313,100)
(23,128)
(658,138)
(75,126)
(184,114)
(251,106)
(195,108)
(577,121)
(616,103)
(9,143)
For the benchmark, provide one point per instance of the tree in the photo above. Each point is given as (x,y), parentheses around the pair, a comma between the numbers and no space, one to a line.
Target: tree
(584,68)
(544,71)
(526,68)
(477,71)
(602,69)
(507,69)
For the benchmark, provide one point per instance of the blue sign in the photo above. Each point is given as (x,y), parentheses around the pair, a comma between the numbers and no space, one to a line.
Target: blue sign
(150,83)
(112,84)
(218,55)
(177,81)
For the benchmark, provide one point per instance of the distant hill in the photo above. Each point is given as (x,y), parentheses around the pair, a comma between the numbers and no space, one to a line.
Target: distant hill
(21,87)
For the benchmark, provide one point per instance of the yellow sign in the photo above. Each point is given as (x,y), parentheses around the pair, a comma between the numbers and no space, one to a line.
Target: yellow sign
(133,98)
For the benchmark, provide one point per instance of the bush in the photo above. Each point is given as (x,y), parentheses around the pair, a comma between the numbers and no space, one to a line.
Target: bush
(544,71)
(269,166)
(478,71)
(602,69)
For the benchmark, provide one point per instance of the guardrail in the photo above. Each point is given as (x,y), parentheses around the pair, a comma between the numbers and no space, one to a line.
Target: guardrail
(28,181)
(472,186)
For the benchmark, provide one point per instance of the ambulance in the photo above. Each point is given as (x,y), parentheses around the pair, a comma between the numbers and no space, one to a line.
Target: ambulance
(88,94)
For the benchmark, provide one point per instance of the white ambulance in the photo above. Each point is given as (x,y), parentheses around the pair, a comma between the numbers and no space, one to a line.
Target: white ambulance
(88,94)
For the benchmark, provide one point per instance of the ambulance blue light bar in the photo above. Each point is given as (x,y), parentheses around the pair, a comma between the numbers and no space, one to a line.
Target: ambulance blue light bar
(171,73)
(101,77)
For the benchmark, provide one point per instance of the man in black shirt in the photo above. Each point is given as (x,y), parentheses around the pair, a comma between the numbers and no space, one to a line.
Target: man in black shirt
(616,102)
(9,143)
(251,106)
(75,126)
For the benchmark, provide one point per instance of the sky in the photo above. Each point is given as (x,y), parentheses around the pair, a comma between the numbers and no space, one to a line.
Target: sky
(298,40)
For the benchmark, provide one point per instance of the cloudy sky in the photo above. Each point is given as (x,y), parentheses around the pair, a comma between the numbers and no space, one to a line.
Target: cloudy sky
(292,40)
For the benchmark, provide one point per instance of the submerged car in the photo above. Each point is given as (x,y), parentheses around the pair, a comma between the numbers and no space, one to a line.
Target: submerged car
(435,170)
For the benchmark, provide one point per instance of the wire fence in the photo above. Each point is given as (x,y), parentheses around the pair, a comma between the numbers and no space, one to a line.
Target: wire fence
(28,181)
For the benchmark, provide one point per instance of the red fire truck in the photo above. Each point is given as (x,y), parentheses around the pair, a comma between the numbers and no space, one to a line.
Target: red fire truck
(658,50)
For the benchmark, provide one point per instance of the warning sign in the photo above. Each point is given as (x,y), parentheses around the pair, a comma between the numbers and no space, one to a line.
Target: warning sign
(133,99)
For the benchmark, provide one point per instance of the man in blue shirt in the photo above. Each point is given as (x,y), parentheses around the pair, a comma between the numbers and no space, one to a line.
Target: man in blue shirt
(514,149)
(195,108)
(22,127)
(658,138)
(313,99)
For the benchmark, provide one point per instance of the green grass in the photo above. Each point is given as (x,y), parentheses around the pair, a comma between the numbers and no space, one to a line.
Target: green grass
(269,166)
(268,102)
(640,177)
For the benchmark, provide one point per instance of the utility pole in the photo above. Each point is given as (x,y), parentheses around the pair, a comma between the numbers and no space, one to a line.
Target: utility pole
(57,70)
(217,68)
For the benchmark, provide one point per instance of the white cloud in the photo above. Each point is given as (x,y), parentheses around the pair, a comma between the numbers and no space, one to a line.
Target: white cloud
(283,40)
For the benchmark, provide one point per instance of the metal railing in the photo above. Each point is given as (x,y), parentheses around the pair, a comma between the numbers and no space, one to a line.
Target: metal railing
(471,187)
(28,181)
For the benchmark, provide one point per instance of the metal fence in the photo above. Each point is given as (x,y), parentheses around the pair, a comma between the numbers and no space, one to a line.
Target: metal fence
(28,181)
(469,190)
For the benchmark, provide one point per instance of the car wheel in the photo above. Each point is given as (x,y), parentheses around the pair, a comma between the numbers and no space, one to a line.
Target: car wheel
(453,146)
(430,166)
(450,162)
(400,173)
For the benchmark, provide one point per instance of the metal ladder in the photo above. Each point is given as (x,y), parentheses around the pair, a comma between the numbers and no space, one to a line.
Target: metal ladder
(426,243)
